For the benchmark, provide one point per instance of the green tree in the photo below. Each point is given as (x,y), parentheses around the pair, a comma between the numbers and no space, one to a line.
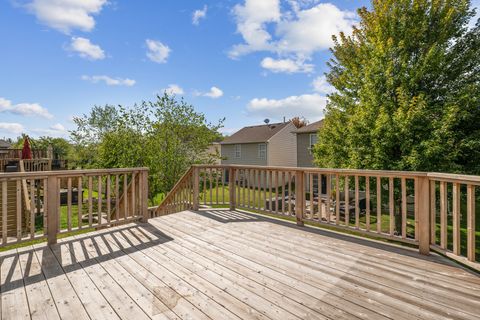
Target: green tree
(407,90)
(165,135)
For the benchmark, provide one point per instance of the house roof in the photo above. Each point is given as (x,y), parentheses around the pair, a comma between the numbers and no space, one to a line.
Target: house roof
(255,134)
(311,128)
(4,144)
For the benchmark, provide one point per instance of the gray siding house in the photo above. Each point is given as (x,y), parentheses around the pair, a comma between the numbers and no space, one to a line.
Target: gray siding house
(263,145)
(306,139)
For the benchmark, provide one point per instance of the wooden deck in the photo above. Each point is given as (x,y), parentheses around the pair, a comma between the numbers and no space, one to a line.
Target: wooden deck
(229,265)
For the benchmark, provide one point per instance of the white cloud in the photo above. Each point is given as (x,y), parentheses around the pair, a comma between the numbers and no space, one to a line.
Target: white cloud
(312,29)
(11,128)
(173,89)
(157,51)
(198,15)
(321,85)
(110,81)
(252,18)
(24,109)
(214,93)
(294,35)
(86,49)
(66,15)
(286,65)
(311,106)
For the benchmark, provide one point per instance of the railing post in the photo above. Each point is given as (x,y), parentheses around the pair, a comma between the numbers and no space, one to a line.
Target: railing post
(144,195)
(423,192)
(299,197)
(231,187)
(53,195)
(196,188)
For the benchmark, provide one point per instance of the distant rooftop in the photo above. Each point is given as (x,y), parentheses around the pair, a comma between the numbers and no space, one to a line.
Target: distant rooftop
(255,134)
(4,144)
(311,128)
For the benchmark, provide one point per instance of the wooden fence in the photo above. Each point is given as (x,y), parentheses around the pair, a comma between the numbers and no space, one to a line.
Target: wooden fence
(36,205)
(430,210)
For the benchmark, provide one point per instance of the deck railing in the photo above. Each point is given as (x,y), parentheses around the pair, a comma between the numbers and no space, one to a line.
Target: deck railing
(17,154)
(36,205)
(430,210)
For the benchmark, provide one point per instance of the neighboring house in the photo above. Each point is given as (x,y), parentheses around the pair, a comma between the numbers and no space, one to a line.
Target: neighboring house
(306,138)
(264,145)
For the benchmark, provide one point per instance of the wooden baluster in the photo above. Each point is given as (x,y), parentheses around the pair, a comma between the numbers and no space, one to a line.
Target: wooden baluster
(5,211)
(456,218)
(258,191)
(404,207)
(283,192)
(99,200)
(109,198)
(33,208)
(196,188)
(423,200)
(312,196)
(277,190)
(347,201)
(391,206)
(290,193)
(271,192)
(367,203)
(19,209)
(69,204)
(379,204)
(433,213)
(247,185)
(357,203)
(337,199)
(134,195)
(223,186)
(125,196)
(204,186)
(264,185)
(471,222)
(231,187)
(299,197)
(417,207)
(329,195)
(90,201)
(80,202)
(320,210)
(117,197)
(443,215)
(53,209)
(210,177)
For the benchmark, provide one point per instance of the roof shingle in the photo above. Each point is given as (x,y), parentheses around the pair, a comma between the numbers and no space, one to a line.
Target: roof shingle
(255,134)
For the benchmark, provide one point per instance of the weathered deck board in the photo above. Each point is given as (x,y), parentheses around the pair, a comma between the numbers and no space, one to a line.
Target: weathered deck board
(220,264)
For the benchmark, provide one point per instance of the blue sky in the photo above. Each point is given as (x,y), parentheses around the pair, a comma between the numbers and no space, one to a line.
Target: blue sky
(244,60)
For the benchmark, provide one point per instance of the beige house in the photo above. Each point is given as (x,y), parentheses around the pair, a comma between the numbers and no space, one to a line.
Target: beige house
(306,138)
(264,145)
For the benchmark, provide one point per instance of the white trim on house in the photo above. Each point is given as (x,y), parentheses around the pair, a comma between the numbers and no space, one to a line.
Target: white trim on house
(314,142)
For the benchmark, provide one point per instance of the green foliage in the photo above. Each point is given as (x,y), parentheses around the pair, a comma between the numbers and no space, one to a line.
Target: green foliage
(165,135)
(407,90)
(62,148)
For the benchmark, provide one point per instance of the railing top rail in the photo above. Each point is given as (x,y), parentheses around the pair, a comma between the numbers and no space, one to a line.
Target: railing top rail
(449,177)
(352,172)
(69,173)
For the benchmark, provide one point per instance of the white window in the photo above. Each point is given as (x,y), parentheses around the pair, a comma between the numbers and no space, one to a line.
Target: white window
(313,141)
(262,151)
(238,151)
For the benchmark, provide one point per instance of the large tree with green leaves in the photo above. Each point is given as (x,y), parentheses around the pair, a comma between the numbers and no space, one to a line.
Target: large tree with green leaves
(166,135)
(407,90)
